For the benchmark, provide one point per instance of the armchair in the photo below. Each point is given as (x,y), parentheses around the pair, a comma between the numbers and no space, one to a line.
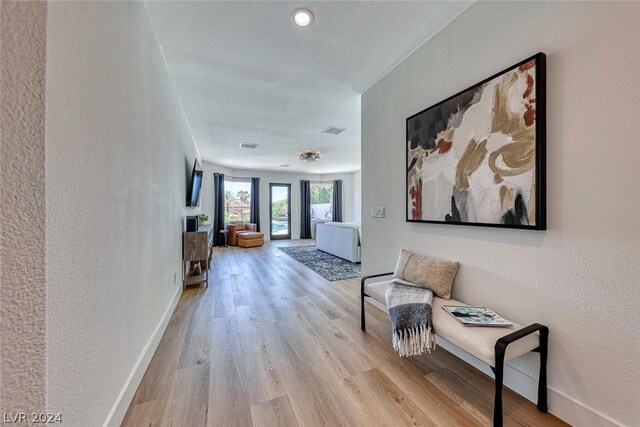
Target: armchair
(244,235)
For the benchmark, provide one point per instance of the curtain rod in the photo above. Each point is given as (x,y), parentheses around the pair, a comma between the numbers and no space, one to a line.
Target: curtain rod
(249,178)
(236,177)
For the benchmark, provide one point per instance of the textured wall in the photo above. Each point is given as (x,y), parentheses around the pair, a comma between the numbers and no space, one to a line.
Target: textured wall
(582,275)
(118,148)
(22,183)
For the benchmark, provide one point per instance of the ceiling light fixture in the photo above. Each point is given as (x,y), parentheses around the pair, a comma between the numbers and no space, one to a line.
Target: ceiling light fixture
(310,156)
(302,17)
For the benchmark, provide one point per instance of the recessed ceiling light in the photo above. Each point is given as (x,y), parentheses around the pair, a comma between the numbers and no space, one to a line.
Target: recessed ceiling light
(302,17)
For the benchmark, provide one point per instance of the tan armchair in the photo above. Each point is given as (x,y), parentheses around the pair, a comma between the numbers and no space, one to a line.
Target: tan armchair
(244,235)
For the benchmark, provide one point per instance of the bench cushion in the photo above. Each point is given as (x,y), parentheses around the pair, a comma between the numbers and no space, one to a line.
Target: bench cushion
(376,291)
(477,341)
(247,235)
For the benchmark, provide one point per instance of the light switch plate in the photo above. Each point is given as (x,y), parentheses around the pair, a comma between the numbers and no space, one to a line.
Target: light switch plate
(377,212)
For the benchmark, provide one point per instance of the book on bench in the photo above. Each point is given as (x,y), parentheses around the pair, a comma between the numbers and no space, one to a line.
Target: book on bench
(476,316)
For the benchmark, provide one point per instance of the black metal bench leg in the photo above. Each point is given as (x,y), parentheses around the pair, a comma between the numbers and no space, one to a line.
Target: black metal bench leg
(363,324)
(499,373)
(500,349)
(542,380)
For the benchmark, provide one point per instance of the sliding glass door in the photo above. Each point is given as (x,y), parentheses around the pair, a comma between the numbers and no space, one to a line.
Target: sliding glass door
(280,204)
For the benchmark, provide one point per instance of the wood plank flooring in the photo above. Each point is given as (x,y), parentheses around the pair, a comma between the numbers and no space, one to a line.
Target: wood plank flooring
(271,343)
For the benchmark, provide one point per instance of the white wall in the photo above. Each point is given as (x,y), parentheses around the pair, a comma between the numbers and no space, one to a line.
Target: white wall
(581,276)
(280,178)
(357,195)
(118,150)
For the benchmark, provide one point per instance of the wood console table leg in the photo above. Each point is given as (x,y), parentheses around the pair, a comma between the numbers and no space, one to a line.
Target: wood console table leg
(184,276)
(207,282)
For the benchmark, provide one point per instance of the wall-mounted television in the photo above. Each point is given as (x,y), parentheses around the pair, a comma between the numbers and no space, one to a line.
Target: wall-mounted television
(193,192)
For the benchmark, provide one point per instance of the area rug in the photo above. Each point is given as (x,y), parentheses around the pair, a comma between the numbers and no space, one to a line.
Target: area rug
(328,266)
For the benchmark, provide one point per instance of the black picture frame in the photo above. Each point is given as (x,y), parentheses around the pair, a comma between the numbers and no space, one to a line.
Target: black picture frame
(540,150)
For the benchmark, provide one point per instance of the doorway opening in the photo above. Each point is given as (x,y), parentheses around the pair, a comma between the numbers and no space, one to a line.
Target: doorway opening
(280,211)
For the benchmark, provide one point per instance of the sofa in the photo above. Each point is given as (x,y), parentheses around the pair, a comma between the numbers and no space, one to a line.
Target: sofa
(341,239)
(245,235)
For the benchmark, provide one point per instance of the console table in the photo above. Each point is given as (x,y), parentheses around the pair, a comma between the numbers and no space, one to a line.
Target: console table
(196,248)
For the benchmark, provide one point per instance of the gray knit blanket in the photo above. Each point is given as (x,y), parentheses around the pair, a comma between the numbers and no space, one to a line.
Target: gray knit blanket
(410,311)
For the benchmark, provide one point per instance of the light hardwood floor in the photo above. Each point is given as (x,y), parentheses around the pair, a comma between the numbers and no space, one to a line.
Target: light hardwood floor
(271,343)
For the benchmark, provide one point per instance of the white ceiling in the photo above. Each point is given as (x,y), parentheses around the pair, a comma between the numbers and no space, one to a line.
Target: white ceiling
(245,73)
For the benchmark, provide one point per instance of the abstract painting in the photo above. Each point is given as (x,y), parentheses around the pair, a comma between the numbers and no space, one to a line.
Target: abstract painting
(478,157)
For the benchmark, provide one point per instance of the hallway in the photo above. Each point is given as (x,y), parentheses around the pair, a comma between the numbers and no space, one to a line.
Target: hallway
(272,343)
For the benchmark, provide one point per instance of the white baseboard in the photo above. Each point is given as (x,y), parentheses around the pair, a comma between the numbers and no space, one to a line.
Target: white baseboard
(562,406)
(293,237)
(123,401)
(577,413)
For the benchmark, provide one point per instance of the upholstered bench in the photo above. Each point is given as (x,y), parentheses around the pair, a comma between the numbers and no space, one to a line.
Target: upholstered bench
(250,239)
(492,345)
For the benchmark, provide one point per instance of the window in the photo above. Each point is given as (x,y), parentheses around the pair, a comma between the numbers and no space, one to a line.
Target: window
(237,199)
(321,201)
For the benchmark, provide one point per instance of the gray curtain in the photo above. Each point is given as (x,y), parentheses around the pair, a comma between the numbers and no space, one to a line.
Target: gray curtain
(305,209)
(218,208)
(337,200)
(254,215)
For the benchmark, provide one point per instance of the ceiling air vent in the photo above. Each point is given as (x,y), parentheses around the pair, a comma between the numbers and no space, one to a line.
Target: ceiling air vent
(331,130)
(248,146)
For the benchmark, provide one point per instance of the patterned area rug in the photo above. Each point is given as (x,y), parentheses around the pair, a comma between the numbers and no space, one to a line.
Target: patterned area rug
(328,266)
